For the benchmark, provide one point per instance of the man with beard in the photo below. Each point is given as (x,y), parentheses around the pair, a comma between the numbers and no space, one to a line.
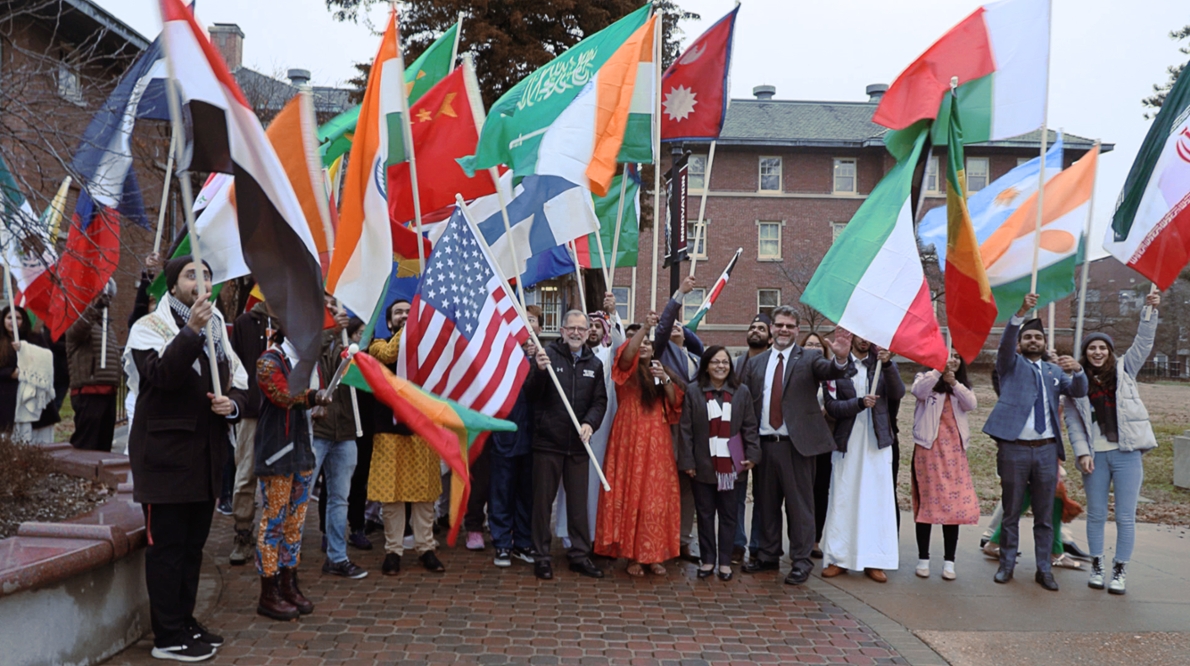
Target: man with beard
(759,339)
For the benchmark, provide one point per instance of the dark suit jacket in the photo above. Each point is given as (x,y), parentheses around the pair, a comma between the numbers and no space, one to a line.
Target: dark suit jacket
(799,398)
(694,449)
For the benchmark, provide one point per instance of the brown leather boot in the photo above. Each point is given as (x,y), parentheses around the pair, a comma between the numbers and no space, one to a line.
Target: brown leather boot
(272,603)
(291,593)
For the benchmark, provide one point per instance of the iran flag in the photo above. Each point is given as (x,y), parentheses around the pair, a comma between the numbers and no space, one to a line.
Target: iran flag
(1150,230)
(228,138)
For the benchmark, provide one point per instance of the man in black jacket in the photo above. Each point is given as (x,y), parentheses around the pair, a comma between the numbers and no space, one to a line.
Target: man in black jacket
(558,451)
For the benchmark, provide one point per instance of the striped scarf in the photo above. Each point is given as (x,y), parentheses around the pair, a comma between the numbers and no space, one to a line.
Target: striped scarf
(720,432)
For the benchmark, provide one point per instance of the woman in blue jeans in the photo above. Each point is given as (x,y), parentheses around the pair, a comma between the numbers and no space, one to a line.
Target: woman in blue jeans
(1110,431)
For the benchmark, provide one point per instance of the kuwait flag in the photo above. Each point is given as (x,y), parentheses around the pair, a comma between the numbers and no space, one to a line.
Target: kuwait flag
(694,88)
(227,138)
(715,291)
(970,308)
(1150,230)
(1000,55)
(1008,253)
(364,244)
(871,281)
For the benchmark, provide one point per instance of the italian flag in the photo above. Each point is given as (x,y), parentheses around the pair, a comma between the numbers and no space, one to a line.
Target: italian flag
(1150,230)
(1008,252)
(714,293)
(871,282)
(1000,56)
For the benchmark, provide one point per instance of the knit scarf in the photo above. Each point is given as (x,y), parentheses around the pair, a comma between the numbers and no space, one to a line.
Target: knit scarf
(720,432)
(181,313)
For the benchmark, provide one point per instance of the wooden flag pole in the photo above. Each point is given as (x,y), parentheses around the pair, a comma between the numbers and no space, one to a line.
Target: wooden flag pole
(702,205)
(525,318)
(611,275)
(602,256)
(1049,326)
(578,276)
(1086,268)
(632,301)
(658,218)
(407,135)
(175,116)
(1041,171)
(694,254)
(454,50)
(169,172)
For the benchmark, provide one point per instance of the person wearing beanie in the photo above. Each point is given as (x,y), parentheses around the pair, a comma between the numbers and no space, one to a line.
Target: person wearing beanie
(176,448)
(1109,432)
(1024,424)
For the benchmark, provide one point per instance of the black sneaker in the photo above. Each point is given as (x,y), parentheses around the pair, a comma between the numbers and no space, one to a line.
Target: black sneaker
(224,507)
(392,565)
(358,539)
(190,651)
(503,558)
(524,555)
(201,633)
(346,569)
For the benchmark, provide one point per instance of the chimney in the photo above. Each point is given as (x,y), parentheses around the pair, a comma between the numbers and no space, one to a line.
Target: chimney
(875,91)
(764,92)
(299,77)
(229,40)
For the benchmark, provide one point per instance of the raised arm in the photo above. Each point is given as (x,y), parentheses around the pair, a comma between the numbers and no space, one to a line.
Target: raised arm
(924,383)
(1142,345)
(633,348)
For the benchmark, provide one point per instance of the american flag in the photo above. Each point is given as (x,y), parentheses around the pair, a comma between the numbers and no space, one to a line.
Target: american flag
(463,336)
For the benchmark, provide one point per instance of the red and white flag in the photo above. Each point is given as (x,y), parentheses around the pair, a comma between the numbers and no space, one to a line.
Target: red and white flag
(694,88)
(228,138)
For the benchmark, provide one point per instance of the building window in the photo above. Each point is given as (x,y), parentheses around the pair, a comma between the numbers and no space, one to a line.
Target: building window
(1021,161)
(69,86)
(768,240)
(549,297)
(770,174)
(836,230)
(696,172)
(767,300)
(933,182)
(697,235)
(623,303)
(977,174)
(692,302)
(845,175)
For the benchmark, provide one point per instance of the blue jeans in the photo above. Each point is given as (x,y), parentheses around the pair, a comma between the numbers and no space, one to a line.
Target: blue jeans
(1124,470)
(339,459)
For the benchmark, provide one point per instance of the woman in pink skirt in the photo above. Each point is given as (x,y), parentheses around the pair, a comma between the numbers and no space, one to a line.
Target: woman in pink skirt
(943,493)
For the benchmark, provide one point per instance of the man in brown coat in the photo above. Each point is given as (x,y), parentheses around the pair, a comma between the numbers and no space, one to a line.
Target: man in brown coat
(94,377)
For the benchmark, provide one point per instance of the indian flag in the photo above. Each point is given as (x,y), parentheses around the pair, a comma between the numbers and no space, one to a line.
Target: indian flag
(584,144)
(1008,252)
(1150,230)
(1000,56)
(871,282)
(363,251)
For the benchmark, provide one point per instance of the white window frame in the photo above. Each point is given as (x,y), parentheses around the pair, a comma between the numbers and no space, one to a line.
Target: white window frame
(760,306)
(691,174)
(70,85)
(935,183)
(696,235)
(760,224)
(839,162)
(987,172)
(760,175)
(624,306)
(836,230)
(551,306)
(691,303)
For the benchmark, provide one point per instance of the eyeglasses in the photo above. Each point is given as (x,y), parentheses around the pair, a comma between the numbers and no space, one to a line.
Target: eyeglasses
(727,363)
(784,326)
(575,329)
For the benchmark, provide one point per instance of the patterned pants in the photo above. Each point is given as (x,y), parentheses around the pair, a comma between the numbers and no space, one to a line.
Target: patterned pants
(279,539)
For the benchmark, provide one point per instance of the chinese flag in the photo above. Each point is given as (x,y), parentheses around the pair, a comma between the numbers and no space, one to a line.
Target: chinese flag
(694,88)
(443,123)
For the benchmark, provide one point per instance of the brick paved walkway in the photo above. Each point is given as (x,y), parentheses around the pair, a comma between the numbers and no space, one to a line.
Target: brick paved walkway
(478,614)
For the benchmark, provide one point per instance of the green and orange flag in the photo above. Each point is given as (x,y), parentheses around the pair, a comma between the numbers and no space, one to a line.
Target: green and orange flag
(970,306)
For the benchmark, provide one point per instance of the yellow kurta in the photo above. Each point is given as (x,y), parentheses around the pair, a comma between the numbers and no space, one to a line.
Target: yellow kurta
(404,468)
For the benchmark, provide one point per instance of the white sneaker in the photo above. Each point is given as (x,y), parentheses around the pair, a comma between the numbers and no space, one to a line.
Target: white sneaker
(923,569)
(948,571)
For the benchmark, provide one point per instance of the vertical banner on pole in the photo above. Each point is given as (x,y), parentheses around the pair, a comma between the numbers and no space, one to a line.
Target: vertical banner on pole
(676,190)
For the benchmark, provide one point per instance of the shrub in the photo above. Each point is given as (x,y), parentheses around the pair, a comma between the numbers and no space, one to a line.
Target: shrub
(22,467)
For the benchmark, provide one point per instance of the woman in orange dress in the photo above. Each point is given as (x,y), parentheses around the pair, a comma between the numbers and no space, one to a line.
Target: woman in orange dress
(640,517)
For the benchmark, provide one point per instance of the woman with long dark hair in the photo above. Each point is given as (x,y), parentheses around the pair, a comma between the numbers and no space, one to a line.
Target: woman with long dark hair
(943,493)
(717,417)
(1109,432)
(640,517)
(9,372)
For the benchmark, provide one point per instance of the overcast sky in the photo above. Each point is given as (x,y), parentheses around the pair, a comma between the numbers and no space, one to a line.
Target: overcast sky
(1105,54)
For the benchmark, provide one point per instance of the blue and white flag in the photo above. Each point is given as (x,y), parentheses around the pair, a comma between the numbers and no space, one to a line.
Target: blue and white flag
(545,213)
(991,206)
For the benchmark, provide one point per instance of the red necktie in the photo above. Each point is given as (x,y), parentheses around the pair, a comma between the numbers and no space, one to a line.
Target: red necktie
(775,418)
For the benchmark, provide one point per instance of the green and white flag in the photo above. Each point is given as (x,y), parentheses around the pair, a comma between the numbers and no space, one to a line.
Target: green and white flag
(23,235)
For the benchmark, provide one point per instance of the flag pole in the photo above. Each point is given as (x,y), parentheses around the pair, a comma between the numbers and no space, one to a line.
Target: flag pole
(921,192)
(175,116)
(694,254)
(657,217)
(578,276)
(56,206)
(1041,172)
(12,306)
(407,135)
(169,170)
(632,301)
(1086,268)
(454,50)
(702,205)
(611,275)
(525,318)
(602,256)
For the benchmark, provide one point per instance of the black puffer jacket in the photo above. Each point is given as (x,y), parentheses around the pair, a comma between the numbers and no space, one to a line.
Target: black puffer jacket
(582,380)
(845,405)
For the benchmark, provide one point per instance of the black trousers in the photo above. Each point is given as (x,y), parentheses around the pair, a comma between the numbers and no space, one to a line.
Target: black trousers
(173,559)
(481,483)
(896,473)
(709,500)
(357,497)
(822,492)
(785,478)
(94,421)
(573,471)
(1035,469)
(950,541)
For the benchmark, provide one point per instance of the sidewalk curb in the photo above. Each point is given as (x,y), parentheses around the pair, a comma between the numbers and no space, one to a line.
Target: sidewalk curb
(904,641)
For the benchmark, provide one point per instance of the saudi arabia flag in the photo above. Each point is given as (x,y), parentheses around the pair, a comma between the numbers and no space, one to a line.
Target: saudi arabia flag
(1150,230)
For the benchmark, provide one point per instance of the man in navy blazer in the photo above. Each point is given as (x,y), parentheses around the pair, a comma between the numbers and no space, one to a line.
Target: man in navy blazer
(1025,425)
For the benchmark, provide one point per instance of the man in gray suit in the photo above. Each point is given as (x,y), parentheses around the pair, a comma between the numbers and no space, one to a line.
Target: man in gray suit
(784,382)
(1025,425)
